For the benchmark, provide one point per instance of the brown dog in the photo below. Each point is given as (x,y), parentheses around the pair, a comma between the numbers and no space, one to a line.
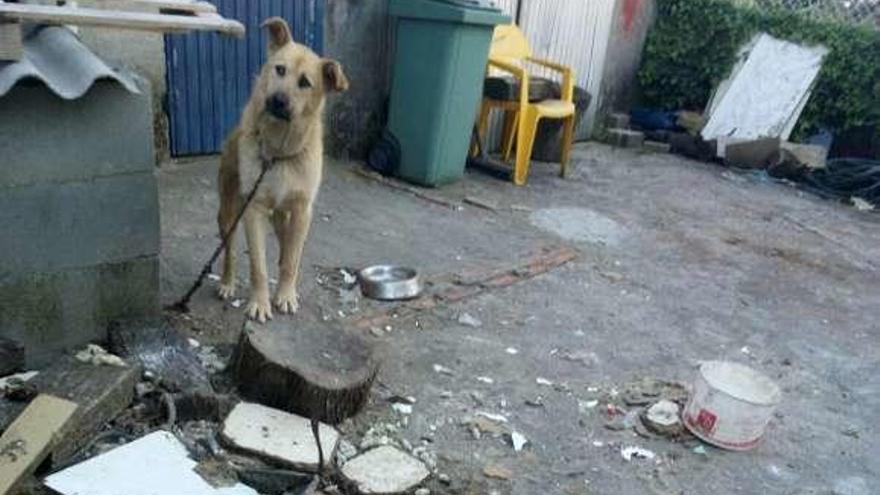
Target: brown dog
(281,129)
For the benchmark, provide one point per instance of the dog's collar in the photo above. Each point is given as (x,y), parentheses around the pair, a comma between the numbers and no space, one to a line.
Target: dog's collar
(269,162)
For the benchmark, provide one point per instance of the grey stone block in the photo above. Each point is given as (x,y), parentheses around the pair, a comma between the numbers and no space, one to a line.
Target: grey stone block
(44,138)
(618,121)
(625,138)
(656,147)
(52,312)
(50,227)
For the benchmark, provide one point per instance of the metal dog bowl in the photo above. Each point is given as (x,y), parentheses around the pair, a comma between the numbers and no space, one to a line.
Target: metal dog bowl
(390,282)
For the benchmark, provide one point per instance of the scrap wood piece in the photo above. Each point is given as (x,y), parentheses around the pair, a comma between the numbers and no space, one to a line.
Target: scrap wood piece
(471,284)
(11,45)
(101,392)
(145,21)
(415,191)
(316,372)
(163,351)
(31,438)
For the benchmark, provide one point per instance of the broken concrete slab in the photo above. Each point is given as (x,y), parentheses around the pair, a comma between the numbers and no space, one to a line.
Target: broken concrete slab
(31,438)
(625,138)
(11,356)
(278,436)
(156,463)
(811,156)
(663,418)
(756,153)
(385,470)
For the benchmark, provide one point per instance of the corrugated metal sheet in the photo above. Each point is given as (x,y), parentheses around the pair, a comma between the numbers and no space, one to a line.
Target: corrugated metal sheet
(576,33)
(573,32)
(55,56)
(210,76)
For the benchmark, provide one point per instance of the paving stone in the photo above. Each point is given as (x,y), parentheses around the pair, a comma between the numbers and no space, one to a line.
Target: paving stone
(657,147)
(385,470)
(618,121)
(277,435)
(625,138)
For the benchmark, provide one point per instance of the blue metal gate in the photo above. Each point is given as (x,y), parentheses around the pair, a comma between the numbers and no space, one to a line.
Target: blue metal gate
(209,76)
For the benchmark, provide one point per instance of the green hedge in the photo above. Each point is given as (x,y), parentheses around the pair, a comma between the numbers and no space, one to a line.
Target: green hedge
(694,43)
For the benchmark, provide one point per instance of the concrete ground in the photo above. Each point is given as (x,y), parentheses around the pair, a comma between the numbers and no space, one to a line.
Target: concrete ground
(678,262)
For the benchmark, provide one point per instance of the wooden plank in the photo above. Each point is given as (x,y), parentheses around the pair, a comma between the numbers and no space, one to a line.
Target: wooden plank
(118,19)
(101,392)
(11,352)
(31,437)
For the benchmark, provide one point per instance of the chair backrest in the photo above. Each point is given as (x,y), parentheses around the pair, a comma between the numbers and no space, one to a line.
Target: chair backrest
(509,43)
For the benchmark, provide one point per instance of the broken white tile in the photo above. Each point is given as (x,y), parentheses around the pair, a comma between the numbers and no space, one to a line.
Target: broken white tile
(598,443)
(213,277)
(630,453)
(469,320)
(193,343)
(543,381)
(518,440)
(498,418)
(402,408)
(348,278)
(385,470)
(277,435)
(585,405)
(236,303)
(443,370)
(156,463)
(512,351)
(486,380)
(9,380)
(745,350)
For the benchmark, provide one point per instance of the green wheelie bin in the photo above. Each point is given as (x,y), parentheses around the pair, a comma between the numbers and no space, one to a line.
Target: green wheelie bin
(441,51)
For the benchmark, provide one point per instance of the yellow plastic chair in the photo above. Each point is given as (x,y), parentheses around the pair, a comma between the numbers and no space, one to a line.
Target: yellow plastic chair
(510,52)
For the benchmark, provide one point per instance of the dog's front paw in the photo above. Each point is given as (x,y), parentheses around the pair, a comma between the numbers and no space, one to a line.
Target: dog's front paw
(287,301)
(226,291)
(259,310)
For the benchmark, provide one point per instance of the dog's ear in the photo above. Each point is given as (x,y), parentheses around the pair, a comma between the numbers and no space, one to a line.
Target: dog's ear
(279,33)
(334,78)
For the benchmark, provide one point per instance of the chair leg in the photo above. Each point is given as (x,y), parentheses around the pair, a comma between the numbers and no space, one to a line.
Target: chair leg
(525,139)
(482,126)
(567,142)
(511,122)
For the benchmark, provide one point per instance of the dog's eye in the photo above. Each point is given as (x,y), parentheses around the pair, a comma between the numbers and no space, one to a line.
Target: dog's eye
(304,82)
(280,70)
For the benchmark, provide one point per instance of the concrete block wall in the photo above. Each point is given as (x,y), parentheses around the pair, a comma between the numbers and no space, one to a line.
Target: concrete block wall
(80,214)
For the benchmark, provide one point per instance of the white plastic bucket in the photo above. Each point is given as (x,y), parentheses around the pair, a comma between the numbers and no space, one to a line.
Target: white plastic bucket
(730,405)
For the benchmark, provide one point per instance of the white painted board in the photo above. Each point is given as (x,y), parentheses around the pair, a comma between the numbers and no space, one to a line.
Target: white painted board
(766,92)
(157,464)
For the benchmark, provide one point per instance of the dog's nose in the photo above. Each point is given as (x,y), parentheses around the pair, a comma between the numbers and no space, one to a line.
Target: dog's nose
(278,104)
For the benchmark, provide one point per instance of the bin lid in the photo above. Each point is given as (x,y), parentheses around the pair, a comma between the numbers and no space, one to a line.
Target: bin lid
(484,12)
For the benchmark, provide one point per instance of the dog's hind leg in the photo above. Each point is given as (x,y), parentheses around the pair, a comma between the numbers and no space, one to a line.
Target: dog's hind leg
(292,242)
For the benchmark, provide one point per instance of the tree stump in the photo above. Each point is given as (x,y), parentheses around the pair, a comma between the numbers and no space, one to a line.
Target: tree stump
(315,371)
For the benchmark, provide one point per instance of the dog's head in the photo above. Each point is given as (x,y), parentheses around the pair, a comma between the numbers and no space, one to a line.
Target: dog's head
(294,81)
